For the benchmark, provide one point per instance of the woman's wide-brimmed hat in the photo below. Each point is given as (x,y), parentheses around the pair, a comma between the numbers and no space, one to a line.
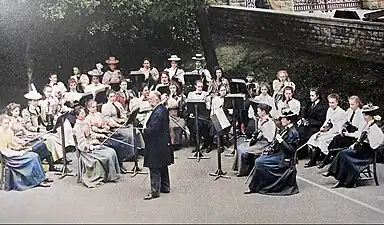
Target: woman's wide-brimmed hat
(369,108)
(174,58)
(287,114)
(95,72)
(198,57)
(112,60)
(172,104)
(33,94)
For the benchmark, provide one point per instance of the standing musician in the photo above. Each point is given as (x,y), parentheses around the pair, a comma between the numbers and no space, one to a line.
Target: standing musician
(275,173)
(175,73)
(252,86)
(353,125)
(282,80)
(205,75)
(151,74)
(98,163)
(143,104)
(113,76)
(99,125)
(217,80)
(95,84)
(158,155)
(350,162)
(205,125)
(58,87)
(332,125)
(262,138)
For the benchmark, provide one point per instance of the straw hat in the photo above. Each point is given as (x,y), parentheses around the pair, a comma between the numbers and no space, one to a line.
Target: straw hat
(287,114)
(174,58)
(198,57)
(112,60)
(95,72)
(33,94)
(369,108)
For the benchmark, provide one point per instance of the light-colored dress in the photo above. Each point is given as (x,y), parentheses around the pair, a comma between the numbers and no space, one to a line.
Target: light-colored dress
(323,139)
(98,164)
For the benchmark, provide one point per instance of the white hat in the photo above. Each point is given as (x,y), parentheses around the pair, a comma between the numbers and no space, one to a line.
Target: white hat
(95,72)
(198,57)
(112,60)
(174,58)
(369,108)
(33,94)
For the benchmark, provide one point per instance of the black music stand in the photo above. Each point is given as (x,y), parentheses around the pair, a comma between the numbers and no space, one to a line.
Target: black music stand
(101,95)
(234,102)
(220,122)
(64,170)
(238,86)
(86,98)
(190,79)
(137,78)
(196,107)
(253,103)
(162,88)
(136,169)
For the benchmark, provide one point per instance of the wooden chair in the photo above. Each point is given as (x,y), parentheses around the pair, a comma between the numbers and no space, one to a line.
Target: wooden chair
(79,163)
(370,171)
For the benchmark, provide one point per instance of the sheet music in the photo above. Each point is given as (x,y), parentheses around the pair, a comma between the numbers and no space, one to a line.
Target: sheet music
(220,120)
(235,96)
(238,81)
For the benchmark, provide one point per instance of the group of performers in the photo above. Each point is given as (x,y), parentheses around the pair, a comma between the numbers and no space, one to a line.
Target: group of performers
(110,117)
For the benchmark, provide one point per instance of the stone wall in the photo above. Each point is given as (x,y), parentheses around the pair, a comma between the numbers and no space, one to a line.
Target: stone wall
(355,39)
(372,4)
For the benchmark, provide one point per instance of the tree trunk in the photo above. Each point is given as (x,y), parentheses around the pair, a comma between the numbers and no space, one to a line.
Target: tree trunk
(206,39)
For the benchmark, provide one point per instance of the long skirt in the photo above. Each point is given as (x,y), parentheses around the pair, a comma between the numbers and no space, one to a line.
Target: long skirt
(127,134)
(245,156)
(175,131)
(23,172)
(272,178)
(123,151)
(321,141)
(348,164)
(98,166)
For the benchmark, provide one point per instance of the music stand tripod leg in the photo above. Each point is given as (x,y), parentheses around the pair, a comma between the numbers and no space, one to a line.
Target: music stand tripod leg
(198,155)
(136,169)
(219,172)
(64,170)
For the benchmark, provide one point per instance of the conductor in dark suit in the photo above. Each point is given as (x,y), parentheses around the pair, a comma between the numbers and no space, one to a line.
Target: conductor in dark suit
(158,152)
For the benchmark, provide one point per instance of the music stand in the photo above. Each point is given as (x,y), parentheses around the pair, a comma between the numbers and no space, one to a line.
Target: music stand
(190,79)
(137,78)
(162,88)
(85,98)
(220,122)
(234,102)
(195,106)
(238,86)
(101,95)
(64,170)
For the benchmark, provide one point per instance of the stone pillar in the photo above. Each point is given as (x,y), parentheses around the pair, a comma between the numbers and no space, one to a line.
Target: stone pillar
(372,4)
(283,5)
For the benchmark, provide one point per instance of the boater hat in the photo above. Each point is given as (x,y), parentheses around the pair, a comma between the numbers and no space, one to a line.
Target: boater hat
(198,57)
(174,58)
(33,94)
(369,108)
(95,72)
(112,60)
(287,114)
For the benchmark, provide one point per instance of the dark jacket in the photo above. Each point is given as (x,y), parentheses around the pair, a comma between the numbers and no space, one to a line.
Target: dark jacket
(316,117)
(158,151)
(288,146)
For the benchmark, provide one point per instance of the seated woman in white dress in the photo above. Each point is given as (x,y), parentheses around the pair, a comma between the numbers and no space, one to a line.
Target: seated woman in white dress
(23,169)
(98,163)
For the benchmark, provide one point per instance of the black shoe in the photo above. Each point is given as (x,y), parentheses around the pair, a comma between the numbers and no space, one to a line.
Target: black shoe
(337,185)
(326,174)
(247,192)
(151,196)
(209,149)
(309,164)
(165,191)
(54,169)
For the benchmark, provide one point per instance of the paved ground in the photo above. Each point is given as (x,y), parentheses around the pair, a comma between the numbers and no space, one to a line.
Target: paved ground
(195,198)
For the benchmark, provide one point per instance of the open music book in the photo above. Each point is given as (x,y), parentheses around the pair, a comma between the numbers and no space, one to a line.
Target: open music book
(220,120)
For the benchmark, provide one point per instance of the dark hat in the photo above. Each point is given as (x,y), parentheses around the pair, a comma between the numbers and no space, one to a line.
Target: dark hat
(287,114)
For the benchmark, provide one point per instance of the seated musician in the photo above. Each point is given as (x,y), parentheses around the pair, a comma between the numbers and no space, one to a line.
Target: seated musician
(265,98)
(176,94)
(274,172)
(113,76)
(99,163)
(25,169)
(100,125)
(175,73)
(82,83)
(176,123)
(288,102)
(164,80)
(95,83)
(205,75)
(262,138)
(349,132)
(22,135)
(151,74)
(282,80)
(350,162)
(217,80)
(34,123)
(206,128)
(72,95)
(332,125)
(124,95)
(254,91)
(58,87)
(143,104)
(312,116)
(50,106)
